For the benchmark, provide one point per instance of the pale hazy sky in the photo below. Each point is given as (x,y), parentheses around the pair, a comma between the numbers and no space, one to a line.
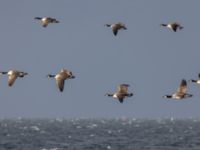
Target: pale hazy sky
(152,59)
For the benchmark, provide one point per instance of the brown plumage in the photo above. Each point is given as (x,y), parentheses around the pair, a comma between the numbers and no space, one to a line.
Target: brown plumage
(181,92)
(173,26)
(61,77)
(122,92)
(46,20)
(13,75)
(117,26)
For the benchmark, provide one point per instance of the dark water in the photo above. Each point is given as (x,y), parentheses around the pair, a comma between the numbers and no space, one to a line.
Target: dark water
(101,134)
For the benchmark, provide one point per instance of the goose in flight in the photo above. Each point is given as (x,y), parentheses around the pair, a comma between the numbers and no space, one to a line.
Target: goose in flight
(122,92)
(115,27)
(13,75)
(61,77)
(173,26)
(46,20)
(181,92)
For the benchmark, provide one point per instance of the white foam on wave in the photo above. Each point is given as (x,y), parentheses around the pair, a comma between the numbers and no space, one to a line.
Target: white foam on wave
(103,122)
(69,136)
(51,149)
(35,128)
(59,120)
(108,147)
(92,135)
(92,126)
(54,148)
(78,127)
(109,132)
(172,119)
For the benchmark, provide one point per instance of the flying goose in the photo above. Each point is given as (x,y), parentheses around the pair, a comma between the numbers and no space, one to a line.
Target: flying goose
(173,26)
(46,20)
(13,75)
(115,27)
(181,92)
(122,92)
(196,81)
(61,77)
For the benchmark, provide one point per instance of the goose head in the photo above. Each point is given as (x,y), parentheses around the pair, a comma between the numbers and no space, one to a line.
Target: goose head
(71,76)
(50,76)
(3,72)
(38,18)
(109,94)
(162,24)
(167,96)
(107,25)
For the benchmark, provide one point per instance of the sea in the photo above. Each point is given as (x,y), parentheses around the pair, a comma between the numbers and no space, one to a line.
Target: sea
(99,134)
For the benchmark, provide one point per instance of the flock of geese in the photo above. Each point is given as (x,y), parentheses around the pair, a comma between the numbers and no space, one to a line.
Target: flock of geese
(122,89)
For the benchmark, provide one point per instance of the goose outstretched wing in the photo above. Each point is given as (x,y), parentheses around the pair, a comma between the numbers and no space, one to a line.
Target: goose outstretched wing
(11,79)
(182,88)
(60,83)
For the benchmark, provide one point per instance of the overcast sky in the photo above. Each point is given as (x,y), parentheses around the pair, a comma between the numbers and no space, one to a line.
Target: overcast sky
(152,59)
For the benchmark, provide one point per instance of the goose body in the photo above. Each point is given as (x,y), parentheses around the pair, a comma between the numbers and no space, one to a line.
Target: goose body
(13,75)
(117,26)
(46,20)
(61,77)
(122,92)
(173,26)
(181,92)
(197,80)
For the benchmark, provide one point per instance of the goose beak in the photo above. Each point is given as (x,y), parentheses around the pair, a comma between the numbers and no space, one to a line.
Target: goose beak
(2,73)
(106,25)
